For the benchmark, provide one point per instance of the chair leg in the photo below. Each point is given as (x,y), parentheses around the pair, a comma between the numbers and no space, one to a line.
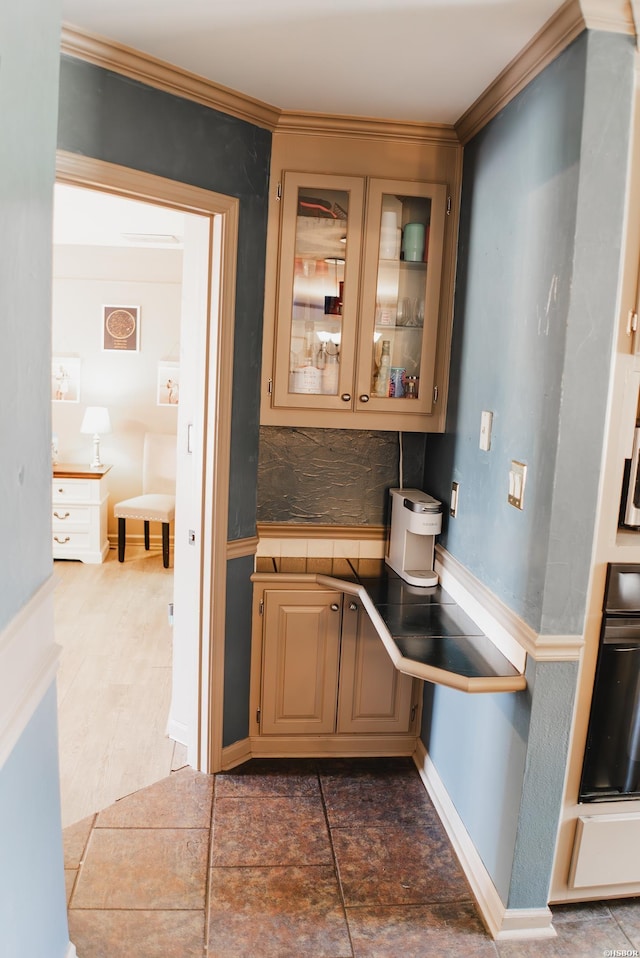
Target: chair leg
(165,544)
(122,535)
(146,535)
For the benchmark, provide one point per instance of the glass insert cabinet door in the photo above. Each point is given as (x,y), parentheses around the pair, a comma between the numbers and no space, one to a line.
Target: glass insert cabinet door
(400,295)
(319,273)
(358,294)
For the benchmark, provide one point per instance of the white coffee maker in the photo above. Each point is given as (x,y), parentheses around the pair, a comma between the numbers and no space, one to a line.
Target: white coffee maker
(416,519)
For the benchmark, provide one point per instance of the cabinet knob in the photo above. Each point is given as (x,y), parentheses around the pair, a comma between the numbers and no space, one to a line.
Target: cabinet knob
(335,607)
(346,397)
(364,398)
(353,607)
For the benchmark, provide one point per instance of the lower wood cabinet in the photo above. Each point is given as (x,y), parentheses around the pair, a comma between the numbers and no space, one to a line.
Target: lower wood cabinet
(324,671)
(372,696)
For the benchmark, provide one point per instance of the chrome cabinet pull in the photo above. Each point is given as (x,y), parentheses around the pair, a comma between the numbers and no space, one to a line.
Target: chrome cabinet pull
(353,607)
(364,398)
(335,607)
(346,397)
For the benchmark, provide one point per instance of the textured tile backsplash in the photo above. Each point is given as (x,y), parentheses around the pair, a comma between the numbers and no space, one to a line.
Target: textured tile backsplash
(339,476)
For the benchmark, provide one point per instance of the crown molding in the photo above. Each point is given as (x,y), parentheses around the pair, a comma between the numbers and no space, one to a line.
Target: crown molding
(567,23)
(559,31)
(163,76)
(614,16)
(318,124)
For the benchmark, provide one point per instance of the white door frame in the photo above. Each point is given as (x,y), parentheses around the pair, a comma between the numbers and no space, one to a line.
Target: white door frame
(223,212)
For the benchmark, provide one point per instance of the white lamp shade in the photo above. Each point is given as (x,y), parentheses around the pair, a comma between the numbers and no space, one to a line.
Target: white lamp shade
(96,420)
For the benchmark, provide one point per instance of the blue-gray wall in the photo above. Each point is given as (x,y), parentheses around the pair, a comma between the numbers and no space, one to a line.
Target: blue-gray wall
(33,920)
(540,240)
(33,907)
(112,118)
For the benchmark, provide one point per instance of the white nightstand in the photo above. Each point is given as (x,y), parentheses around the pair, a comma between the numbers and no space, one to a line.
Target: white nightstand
(79,518)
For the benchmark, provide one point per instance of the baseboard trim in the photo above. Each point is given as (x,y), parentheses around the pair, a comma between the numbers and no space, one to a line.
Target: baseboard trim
(502,923)
(321,746)
(236,754)
(177,731)
(28,665)
(331,746)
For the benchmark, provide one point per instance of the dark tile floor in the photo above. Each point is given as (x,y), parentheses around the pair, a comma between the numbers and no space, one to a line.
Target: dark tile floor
(306,859)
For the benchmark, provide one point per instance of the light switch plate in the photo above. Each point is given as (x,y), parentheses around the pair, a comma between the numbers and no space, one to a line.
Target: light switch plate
(486,422)
(517,479)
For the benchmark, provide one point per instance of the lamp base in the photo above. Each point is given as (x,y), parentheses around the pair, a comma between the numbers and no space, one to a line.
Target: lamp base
(96,462)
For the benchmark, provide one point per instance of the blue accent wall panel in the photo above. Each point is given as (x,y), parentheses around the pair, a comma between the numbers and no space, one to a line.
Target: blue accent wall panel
(33,914)
(237,655)
(535,311)
(478,744)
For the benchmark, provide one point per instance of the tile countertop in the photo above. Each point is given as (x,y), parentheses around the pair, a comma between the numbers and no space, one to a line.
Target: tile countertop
(424,630)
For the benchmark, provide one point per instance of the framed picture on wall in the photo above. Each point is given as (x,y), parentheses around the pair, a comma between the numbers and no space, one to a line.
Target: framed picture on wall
(65,379)
(168,383)
(121,328)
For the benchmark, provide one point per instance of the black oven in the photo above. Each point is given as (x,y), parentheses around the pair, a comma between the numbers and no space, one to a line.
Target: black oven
(611,769)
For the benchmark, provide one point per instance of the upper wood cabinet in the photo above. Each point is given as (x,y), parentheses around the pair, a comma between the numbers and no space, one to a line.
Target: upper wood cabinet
(358,319)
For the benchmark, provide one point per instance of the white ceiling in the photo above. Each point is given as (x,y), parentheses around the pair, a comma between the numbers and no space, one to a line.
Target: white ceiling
(86,218)
(422,60)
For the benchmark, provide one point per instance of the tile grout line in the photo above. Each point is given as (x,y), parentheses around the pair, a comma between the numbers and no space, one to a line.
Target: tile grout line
(335,860)
(83,855)
(208,880)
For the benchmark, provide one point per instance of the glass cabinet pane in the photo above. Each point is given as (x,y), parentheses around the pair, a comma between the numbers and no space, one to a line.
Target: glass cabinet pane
(320,253)
(318,289)
(401,294)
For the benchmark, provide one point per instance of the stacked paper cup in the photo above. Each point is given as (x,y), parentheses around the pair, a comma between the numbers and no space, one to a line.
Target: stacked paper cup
(389,235)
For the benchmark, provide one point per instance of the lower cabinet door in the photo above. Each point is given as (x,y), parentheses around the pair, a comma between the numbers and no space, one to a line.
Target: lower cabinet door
(301,654)
(374,696)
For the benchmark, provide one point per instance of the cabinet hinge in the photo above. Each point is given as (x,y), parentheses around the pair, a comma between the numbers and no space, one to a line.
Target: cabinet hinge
(261,607)
(279,191)
(258,713)
(435,394)
(449,205)
(632,322)
(414,709)
(270,386)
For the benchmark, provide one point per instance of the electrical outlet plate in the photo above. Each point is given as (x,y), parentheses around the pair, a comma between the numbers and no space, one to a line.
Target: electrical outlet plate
(453,506)
(517,479)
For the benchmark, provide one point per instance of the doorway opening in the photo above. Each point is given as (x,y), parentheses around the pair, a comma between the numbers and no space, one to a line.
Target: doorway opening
(202,367)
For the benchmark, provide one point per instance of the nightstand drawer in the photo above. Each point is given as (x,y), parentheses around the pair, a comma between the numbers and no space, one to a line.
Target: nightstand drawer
(70,543)
(73,490)
(64,516)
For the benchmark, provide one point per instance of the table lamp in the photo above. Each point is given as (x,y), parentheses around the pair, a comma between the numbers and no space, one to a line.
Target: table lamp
(96,422)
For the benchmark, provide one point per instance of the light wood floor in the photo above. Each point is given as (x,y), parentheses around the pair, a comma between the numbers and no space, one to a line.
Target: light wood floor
(114,682)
